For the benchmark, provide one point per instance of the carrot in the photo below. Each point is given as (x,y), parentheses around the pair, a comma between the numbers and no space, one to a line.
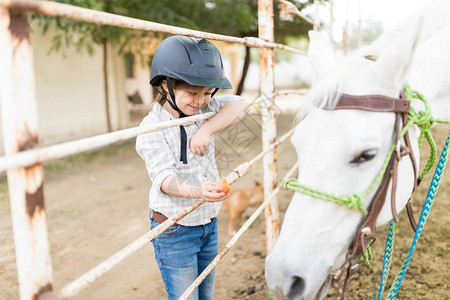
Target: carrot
(226,188)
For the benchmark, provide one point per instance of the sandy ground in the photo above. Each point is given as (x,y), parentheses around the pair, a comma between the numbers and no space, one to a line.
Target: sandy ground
(97,204)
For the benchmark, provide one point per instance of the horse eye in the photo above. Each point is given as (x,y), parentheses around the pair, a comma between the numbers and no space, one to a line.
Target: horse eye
(364,156)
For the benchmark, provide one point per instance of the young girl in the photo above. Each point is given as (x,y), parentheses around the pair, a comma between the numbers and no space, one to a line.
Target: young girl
(187,72)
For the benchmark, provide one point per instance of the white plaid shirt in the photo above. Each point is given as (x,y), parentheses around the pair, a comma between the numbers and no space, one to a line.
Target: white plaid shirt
(161,152)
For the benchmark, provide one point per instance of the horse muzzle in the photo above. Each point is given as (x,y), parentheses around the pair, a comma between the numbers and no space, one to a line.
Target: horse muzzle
(289,282)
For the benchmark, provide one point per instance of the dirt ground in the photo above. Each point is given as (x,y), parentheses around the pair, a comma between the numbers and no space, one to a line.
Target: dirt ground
(97,203)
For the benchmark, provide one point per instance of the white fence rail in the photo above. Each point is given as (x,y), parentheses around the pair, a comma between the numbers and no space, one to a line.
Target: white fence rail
(23,158)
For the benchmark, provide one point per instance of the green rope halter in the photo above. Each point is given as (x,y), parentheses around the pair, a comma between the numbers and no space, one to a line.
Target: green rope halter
(352,202)
(424,120)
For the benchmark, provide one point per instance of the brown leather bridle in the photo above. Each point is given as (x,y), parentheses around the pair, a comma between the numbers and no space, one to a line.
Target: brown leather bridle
(365,235)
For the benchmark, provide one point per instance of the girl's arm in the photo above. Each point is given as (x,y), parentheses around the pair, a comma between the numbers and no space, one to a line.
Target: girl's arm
(178,187)
(230,114)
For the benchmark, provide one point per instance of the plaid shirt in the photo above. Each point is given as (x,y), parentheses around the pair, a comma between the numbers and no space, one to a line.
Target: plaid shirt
(161,152)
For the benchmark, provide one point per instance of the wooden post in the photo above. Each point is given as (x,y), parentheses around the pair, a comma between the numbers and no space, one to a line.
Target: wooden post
(20,132)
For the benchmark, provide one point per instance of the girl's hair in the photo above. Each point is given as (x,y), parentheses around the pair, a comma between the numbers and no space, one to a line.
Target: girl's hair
(162,94)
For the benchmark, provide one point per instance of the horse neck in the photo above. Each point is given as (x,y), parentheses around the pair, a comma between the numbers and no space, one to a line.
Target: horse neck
(430,67)
(429,74)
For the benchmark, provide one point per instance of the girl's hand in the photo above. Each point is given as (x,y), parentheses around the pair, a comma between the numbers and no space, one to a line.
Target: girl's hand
(200,141)
(212,192)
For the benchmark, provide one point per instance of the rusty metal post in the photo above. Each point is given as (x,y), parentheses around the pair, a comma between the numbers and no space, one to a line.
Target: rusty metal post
(20,132)
(269,126)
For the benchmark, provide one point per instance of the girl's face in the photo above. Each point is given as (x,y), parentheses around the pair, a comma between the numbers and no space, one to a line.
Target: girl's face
(190,98)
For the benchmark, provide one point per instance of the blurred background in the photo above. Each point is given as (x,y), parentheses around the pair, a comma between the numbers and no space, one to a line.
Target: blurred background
(92,79)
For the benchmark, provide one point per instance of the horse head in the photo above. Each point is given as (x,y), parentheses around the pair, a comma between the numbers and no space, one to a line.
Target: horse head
(341,152)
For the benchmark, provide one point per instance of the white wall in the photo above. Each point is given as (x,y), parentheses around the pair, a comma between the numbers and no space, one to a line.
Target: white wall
(140,83)
(119,112)
(70,92)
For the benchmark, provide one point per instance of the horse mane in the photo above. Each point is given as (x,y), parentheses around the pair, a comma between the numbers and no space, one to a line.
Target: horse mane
(324,93)
(327,91)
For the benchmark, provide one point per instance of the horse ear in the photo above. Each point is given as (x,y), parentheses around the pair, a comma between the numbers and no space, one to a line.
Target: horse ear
(393,65)
(320,53)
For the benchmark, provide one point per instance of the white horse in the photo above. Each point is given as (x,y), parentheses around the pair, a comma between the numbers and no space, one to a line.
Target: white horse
(342,151)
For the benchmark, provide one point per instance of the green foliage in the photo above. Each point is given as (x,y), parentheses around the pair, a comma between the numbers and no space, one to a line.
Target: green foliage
(283,29)
(228,17)
(81,35)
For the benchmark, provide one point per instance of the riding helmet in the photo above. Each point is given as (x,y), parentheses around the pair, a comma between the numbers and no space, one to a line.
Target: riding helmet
(195,61)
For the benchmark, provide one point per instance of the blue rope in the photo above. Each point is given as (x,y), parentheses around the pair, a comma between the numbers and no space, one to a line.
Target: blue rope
(432,191)
(388,250)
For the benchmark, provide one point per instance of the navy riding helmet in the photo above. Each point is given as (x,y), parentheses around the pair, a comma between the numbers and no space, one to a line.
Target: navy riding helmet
(195,61)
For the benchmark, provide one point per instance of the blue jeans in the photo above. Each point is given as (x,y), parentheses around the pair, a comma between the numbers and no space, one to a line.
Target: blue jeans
(182,253)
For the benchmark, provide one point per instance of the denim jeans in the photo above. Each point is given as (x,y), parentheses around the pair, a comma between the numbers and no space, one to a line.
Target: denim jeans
(182,253)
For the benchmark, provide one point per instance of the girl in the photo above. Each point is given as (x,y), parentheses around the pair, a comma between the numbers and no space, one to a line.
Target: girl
(187,72)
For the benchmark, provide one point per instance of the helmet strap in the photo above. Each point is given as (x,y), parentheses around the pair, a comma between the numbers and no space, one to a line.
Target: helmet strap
(172,95)
(173,105)
(183,135)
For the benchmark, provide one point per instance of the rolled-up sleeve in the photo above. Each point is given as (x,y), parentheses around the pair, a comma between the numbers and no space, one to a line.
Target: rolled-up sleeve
(159,159)
(218,102)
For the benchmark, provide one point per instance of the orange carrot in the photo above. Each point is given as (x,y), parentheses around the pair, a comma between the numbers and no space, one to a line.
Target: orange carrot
(225,186)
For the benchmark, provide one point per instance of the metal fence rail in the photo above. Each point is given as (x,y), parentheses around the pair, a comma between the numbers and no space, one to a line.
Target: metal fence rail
(49,153)
(23,158)
(238,234)
(83,281)
(45,154)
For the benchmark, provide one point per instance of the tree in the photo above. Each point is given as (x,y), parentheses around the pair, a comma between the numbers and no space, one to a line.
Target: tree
(229,17)
(245,14)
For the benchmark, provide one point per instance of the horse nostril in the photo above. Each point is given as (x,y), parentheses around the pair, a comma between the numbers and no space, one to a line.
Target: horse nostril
(297,288)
